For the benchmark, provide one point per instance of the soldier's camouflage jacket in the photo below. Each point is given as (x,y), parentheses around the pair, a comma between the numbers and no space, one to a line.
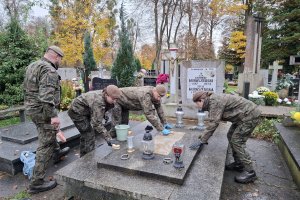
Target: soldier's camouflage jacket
(92,105)
(141,98)
(42,88)
(228,107)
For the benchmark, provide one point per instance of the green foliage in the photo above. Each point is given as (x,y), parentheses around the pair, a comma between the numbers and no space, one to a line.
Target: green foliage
(9,122)
(138,64)
(3,107)
(135,117)
(266,130)
(270,98)
(281,37)
(17,52)
(284,83)
(21,195)
(88,57)
(124,65)
(67,94)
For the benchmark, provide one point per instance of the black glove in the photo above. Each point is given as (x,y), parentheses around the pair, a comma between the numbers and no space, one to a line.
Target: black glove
(149,128)
(197,145)
(111,142)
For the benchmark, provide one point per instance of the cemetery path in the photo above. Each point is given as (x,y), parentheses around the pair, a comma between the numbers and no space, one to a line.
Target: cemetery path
(274,179)
(274,182)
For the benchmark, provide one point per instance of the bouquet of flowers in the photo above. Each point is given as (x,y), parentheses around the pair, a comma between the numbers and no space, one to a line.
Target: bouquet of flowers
(261,90)
(162,78)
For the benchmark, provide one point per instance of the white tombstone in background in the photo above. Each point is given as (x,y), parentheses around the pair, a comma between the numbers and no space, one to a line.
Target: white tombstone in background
(265,75)
(67,73)
(275,67)
(205,75)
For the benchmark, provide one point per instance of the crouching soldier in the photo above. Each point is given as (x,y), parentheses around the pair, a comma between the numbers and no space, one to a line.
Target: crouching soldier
(87,112)
(244,116)
(146,99)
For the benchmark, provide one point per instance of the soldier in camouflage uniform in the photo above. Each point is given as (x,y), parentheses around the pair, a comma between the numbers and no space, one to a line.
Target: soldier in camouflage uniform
(87,112)
(244,116)
(146,99)
(42,96)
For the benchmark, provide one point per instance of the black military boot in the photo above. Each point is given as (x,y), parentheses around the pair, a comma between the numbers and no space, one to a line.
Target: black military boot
(246,177)
(235,166)
(45,186)
(58,154)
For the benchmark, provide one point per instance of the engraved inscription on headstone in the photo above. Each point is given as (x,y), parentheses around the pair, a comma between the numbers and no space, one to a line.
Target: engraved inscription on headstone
(149,81)
(100,84)
(200,79)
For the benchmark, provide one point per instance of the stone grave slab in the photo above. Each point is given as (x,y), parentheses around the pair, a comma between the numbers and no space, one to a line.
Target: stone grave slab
(152,168)
(204,180)
(100,84)
(22,133)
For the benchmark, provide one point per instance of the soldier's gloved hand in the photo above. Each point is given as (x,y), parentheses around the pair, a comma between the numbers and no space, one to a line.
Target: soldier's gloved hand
(111,142)
(198,144)
(168,126)
(166,132)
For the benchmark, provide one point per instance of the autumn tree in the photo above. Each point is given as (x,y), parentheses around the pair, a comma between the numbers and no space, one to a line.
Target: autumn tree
(147,55)
(124,65)
(71,19)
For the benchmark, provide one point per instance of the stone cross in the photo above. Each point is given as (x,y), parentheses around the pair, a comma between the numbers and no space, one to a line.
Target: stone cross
(275,67)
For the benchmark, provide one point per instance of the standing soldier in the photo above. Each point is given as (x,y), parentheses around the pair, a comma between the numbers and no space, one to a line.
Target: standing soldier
(87,112)
(147,99)
(244,116)
(42,96)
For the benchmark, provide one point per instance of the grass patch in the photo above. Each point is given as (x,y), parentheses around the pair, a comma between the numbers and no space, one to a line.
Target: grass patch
(19,196)
(266,130)
(9,122)
(135,117)
(230,89)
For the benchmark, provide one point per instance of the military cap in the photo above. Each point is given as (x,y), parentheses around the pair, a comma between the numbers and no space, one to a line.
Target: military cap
(161,90)
(57,50)
(113,91)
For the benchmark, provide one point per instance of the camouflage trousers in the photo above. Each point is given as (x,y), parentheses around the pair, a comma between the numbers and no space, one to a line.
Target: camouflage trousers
(47,143)
(87,133)
(119,115)
(237,136)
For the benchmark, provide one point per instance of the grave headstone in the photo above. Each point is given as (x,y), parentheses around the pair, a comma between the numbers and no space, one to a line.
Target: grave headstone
(250,79)
(275,67)
(265,75)
(100,84)
(149,81)
(205,75)
(67,73)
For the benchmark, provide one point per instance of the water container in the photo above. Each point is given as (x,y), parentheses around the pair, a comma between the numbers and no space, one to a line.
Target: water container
(122,131)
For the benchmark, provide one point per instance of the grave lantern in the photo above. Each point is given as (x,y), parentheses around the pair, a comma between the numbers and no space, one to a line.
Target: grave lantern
(179,117)
(130,147)
(148,146)
(178,150)
(201,115)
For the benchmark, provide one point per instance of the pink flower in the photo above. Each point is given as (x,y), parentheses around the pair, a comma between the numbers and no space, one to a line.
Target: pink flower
(162,78)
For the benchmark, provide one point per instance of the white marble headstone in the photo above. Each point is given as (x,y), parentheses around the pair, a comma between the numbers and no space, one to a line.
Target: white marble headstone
(207,75)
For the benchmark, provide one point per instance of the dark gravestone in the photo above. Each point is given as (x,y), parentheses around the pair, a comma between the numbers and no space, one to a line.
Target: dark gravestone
(293,91)
(100,84)
(149,81)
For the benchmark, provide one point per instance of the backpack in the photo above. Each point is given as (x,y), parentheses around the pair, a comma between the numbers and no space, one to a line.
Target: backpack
(28,158)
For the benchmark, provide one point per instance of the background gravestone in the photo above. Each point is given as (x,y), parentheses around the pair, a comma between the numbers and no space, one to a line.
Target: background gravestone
(148,81)
(67,73)
(100,84)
